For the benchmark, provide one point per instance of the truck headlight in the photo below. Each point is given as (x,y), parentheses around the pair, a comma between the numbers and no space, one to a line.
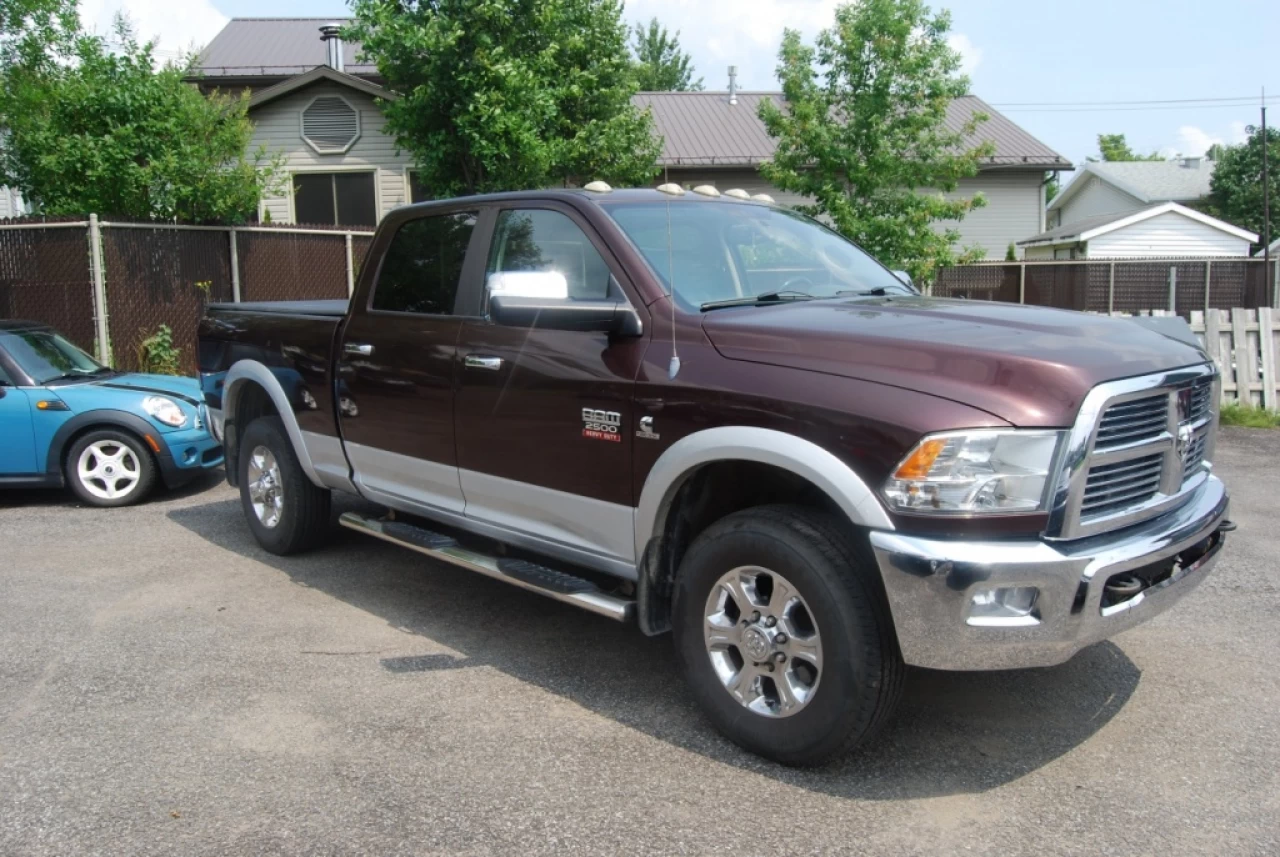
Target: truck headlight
(165,410)
(982,471)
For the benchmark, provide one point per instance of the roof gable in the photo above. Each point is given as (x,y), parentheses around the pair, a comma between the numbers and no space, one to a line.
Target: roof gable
(318,75)
(705,129)
(1146,181)
(1091,227)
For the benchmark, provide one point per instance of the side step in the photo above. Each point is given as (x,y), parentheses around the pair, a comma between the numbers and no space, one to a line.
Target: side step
(527,575)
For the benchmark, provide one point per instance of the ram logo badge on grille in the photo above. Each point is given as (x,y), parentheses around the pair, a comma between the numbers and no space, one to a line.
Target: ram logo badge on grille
(1184,442)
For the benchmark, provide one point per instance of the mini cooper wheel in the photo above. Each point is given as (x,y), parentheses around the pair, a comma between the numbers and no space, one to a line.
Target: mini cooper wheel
(109,467)
(784,636)
(285,510)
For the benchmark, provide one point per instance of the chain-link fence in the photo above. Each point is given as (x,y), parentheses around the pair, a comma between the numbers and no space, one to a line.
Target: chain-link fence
(147,275)
(1177,285)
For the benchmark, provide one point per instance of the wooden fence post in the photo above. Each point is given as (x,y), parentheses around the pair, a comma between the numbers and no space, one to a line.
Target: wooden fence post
(235,268)
(99,290)
(1022,283)
(1173,288)
(1208,268)
(1270,359)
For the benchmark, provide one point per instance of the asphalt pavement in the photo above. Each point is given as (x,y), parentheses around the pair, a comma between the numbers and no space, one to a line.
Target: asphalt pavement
(166,687)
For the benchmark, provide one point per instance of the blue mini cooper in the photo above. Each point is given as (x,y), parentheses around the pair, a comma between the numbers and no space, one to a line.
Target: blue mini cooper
(65,419)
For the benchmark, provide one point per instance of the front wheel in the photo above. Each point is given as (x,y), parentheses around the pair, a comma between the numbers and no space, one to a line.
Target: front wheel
(285,510)
(110,467)
(784,636)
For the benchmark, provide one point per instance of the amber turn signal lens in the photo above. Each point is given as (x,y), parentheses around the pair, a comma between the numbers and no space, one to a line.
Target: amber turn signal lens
(151,442)
(919,463)
(51,405)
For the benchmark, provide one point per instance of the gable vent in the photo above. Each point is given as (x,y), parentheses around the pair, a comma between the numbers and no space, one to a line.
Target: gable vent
(330,125)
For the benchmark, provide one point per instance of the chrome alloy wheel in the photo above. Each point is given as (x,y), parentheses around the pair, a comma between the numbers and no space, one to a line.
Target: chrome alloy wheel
(108,469)
(266,491)
(763,641)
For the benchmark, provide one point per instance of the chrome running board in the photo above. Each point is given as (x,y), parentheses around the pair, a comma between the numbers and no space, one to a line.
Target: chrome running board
(527,575)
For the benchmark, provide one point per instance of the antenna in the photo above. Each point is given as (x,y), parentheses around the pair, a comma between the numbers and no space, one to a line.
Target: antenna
(673,368)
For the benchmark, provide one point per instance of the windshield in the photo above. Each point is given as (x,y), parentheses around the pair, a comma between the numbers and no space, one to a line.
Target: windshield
(46,356)
(723,252)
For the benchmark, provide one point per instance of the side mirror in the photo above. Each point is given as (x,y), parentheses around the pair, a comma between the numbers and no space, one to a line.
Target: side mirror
(541,299)
(607,316)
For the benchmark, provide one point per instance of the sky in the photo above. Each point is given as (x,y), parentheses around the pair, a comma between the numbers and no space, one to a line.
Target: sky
(1057,69)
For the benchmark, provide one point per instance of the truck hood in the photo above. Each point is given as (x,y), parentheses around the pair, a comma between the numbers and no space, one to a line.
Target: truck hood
(1031,366)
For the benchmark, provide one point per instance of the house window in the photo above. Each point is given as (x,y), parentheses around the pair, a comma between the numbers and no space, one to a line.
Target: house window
(330,125)
(338,199)
(418,191)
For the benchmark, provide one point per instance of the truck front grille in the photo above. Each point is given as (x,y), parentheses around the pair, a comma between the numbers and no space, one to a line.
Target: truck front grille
(1141,446)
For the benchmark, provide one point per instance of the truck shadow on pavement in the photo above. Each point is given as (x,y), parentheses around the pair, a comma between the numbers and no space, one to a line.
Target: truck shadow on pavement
(955,733)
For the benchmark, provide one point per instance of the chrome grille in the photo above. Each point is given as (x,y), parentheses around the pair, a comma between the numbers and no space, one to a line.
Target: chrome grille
(1140,446)
(1133,421)
(1112,487)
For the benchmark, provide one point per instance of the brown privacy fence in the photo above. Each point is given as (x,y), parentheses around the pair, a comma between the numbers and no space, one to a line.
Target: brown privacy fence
(1178,286)
(109,285)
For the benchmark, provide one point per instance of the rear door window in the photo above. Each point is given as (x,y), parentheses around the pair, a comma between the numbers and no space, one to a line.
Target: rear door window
(423,265)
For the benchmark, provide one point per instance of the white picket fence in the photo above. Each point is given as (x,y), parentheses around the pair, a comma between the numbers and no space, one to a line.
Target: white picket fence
(1245,345)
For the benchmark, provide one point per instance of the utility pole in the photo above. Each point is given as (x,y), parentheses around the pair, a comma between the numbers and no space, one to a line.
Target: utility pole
(1266,203)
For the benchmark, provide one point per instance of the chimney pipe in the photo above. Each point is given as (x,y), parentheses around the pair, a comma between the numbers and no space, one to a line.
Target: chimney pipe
(330,34)
(733,84)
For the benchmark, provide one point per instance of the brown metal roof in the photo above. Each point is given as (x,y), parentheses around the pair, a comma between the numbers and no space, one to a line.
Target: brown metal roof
(704,129)
(273,47)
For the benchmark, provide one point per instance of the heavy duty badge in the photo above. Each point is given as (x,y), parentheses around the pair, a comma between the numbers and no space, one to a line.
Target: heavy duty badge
(601,425)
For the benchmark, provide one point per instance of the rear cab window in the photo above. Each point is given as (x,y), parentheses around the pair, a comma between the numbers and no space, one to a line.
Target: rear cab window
(423,264)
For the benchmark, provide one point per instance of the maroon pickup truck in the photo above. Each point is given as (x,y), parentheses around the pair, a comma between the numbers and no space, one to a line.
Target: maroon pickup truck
(710,415)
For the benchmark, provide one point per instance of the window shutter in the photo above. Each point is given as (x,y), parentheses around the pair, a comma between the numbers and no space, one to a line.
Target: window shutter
(330,125)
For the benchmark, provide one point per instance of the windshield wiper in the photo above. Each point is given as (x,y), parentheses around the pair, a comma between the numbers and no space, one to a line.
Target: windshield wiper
(781,296)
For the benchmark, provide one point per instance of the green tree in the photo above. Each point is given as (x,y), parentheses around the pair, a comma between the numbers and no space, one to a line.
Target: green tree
(34,32)
(500,95)
(1114,147)
(1052,186)
(1235,191)
(90,129)
(660,65)
(863,132)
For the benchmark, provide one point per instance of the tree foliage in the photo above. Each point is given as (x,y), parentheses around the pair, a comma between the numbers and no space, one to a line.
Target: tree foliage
(1235,191)
(863,131)
(1114,147)
(91,129)
(660,64)
(35,32)
(509,94)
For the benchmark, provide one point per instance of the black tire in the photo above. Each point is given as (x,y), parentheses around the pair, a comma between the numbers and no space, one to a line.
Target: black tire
(303,520)
(862,670)
(136,463)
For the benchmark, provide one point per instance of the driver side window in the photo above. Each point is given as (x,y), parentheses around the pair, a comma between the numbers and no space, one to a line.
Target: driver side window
(547,241)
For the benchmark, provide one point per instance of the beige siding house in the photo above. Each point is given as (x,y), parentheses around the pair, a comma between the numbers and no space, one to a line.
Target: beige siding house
(1116,187)
(347,171)
(1166,230)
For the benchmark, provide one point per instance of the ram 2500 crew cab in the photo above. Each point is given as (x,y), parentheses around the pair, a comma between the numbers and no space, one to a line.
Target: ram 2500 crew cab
(716,417)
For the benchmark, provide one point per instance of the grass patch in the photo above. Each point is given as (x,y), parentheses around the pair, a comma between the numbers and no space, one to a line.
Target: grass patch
(1248,416)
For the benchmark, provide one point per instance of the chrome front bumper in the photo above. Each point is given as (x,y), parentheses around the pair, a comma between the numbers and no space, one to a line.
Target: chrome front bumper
(931,585)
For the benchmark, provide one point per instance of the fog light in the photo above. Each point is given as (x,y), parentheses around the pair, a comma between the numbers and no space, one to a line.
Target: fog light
(1006,607)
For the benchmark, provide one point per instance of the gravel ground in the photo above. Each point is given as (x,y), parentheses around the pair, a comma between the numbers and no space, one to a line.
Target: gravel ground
(168,688)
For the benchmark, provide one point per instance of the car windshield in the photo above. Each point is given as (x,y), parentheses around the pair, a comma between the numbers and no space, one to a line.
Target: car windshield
(726,253)
(47,356)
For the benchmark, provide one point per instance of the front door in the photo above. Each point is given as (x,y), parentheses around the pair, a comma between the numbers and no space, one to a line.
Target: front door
(396,369)
(17,434)
(542,415)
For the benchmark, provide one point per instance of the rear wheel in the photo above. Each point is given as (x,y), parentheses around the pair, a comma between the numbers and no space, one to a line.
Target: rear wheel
(285,510)
(110,467)
(784,636)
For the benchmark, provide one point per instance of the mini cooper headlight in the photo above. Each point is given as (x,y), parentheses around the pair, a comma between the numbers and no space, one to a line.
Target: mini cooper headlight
(983,471)
(165,410)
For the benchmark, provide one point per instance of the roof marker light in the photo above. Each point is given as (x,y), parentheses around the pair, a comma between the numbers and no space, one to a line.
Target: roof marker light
(597,187)
(762,197)
(706,190)
(671,188)
(737,193)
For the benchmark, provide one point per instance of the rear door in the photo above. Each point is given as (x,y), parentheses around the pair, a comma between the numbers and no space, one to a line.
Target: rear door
(542,415)
(396,366)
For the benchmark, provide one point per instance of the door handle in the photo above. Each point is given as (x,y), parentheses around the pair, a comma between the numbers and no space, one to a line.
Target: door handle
(476,361)
(354,348)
